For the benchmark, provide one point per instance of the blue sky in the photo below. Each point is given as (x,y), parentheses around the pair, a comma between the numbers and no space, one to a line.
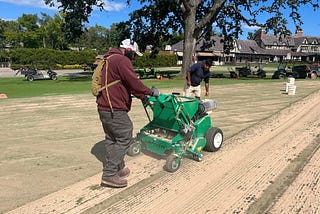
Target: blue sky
(117,11)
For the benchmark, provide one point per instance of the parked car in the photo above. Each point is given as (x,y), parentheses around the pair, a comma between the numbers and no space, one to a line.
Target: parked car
(314,71)
(303,71)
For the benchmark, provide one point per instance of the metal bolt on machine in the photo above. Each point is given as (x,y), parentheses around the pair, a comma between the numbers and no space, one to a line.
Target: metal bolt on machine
(180,126)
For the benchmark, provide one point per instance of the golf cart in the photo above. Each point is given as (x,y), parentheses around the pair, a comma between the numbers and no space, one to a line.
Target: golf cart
(148,72)
(246,71)
(35,75)
(260,71)
(281,72)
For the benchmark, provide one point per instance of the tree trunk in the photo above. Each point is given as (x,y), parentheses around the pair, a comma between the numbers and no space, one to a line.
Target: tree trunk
(189,40)
(44,42)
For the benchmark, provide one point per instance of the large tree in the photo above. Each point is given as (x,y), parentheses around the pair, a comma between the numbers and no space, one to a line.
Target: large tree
(101,38)
(55,36)
(156,19)
(2,35)
(198,17)
(11,33)
(77,13)
(29,30)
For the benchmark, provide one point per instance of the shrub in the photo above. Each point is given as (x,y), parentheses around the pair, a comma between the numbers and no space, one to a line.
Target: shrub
(43,58)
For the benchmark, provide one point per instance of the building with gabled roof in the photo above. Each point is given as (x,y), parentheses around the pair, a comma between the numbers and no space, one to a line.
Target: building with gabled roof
(263,48)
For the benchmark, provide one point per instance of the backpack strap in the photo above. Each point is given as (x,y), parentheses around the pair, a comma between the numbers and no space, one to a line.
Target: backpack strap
(108,85)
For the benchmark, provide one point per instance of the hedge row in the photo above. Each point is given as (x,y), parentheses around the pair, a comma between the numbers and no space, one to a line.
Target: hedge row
(44,58)
(159,60)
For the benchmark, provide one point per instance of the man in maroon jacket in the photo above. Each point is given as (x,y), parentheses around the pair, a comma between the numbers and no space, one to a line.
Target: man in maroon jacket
(114,103)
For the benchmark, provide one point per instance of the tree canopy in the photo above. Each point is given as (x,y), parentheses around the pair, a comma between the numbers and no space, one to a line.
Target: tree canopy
(31,31)
(198,19)
(156,20)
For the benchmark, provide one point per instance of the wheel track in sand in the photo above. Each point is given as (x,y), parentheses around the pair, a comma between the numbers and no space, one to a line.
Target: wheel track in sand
(229,180)
(237,183)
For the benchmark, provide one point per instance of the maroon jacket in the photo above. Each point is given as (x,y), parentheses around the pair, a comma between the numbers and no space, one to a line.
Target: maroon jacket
(120,68)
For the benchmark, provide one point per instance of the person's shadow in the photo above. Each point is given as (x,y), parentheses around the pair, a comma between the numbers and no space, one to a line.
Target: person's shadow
(99,151)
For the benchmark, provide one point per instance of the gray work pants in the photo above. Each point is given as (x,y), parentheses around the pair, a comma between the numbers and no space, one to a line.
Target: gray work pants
(118,137)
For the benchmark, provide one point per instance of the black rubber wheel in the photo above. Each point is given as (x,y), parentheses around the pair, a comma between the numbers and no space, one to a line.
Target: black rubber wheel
(281,76)
(30,78)
(157,76)
(313,76)
(54,77)
(173,163)
(261,75)
(214,138)
(134,149)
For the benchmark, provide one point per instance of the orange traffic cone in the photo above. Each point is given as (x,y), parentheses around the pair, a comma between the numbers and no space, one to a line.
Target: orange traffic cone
(3,96)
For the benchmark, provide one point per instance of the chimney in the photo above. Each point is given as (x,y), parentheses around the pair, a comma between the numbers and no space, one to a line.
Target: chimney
(299,33)
(262,32)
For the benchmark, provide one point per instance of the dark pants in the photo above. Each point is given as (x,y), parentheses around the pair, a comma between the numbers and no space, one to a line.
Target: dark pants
(118,137)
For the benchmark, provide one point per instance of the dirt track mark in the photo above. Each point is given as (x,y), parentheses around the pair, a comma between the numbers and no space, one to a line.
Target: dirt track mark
(230,180)
(65,152)
(303,195)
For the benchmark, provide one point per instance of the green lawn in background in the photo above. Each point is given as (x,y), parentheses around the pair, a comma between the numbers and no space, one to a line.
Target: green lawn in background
(19,87)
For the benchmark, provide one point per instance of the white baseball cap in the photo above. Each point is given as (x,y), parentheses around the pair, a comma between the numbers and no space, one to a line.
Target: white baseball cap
(130,44)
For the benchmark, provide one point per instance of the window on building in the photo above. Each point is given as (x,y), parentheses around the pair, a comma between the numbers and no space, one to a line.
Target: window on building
(315,49)
(304,48)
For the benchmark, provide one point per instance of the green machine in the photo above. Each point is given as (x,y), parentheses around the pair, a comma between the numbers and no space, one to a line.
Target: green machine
(178,126)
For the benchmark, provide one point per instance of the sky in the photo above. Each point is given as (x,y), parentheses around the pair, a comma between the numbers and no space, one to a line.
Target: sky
(117,11)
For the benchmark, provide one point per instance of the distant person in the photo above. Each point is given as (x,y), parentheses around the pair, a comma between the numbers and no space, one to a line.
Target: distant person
(195,74)
(117,81)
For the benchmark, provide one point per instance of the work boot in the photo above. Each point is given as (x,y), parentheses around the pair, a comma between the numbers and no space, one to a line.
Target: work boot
(125,172)
(114,181)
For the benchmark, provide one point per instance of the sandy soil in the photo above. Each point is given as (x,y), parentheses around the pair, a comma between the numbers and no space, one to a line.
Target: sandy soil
(52,148)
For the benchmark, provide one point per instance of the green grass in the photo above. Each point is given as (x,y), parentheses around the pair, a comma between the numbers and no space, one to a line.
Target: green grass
(19,87)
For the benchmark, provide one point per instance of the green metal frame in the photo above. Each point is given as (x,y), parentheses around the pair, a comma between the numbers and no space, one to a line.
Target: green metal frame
(170,114)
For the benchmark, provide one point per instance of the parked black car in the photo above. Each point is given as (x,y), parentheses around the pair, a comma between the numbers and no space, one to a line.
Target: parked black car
(314,71)
(304,71)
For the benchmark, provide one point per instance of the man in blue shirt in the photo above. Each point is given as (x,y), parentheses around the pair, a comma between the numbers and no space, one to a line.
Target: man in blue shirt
(195,74)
